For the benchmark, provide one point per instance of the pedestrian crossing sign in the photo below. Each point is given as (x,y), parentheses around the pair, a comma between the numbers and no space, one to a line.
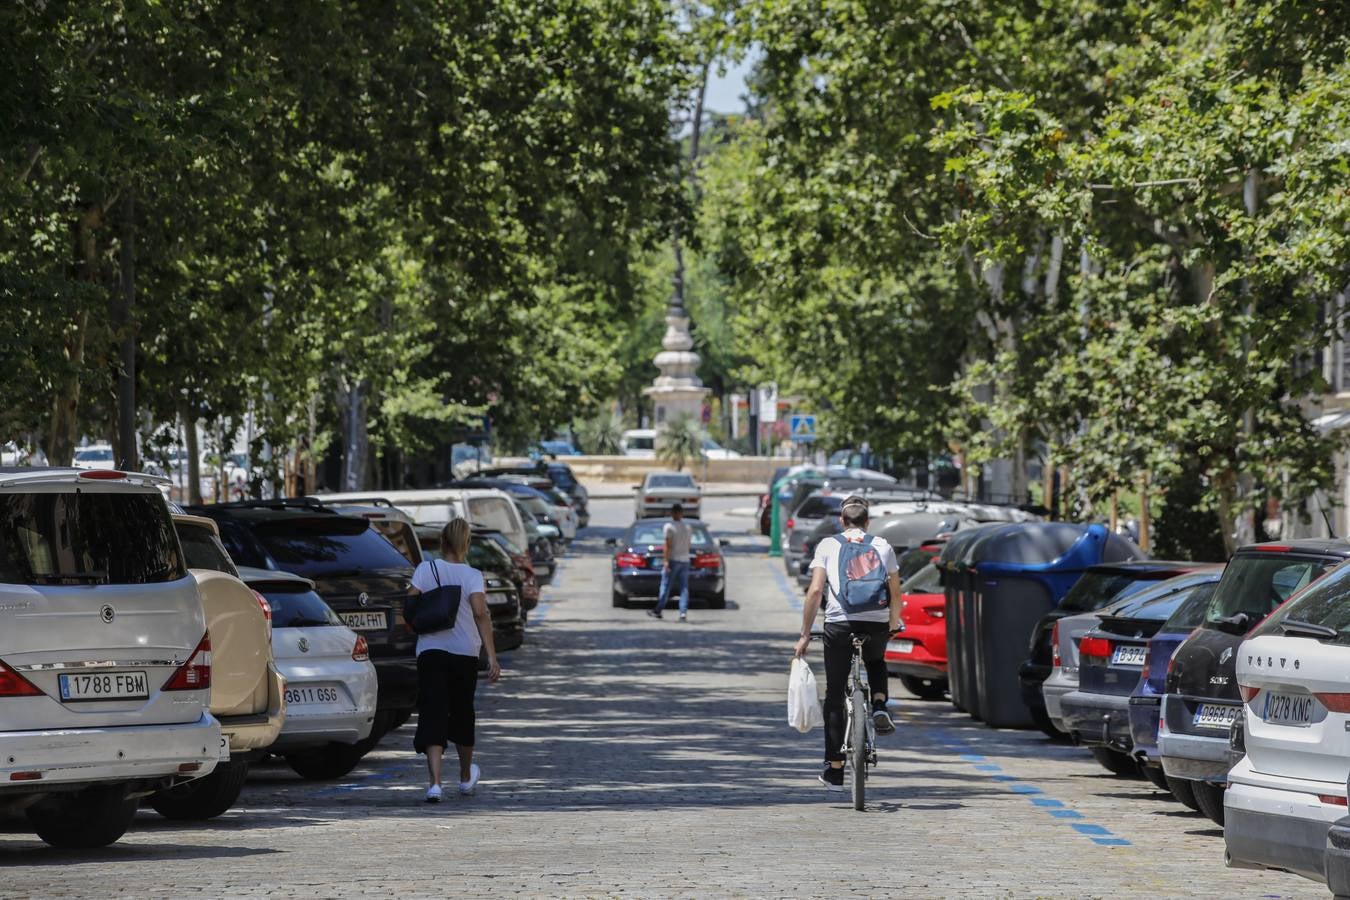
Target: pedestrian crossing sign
(803,428)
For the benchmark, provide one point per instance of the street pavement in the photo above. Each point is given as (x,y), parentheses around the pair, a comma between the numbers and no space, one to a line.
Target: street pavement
(625,755)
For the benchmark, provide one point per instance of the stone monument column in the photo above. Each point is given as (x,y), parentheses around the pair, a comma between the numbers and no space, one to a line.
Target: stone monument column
(677,390)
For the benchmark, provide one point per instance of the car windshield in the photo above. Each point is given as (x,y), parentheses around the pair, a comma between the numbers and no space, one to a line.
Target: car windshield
(911,561)
(1326,603)
(818,507)
(670,481)
(297,607)
(202,549)
(652,533)
(1096,589)
(927,580)
(94,454)
(316,546)
(1256,583)
(88,538)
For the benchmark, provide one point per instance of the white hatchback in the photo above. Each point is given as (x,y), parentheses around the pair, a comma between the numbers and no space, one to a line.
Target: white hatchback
(331,686)
(1294,677)
(105,664)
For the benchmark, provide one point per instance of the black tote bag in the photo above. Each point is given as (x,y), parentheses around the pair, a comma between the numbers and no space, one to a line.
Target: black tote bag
(433,610)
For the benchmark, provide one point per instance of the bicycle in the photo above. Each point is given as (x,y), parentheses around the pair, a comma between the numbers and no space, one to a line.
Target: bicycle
(860,735)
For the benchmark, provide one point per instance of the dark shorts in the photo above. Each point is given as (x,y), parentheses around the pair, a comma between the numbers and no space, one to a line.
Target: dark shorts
(445,686)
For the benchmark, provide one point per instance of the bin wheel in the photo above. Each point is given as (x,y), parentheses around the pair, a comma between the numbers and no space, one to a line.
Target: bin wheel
(1115,762)
(1210,798)
(1185,794)
(924,688)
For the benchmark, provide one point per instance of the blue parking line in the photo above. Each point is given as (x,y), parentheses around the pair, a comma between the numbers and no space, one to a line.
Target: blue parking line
(1056,809)
(792,596)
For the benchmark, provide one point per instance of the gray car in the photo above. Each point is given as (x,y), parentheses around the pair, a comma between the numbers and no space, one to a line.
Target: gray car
(660,491)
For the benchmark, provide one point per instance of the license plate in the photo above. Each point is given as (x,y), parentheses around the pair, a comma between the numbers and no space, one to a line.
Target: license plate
(105,686)
(1128,655)
(1215,715)
(1289,709)
(498,599)
(364,621)
(303,696)
(902,646)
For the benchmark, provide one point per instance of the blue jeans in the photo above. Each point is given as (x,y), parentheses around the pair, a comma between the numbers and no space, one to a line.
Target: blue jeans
(676,575)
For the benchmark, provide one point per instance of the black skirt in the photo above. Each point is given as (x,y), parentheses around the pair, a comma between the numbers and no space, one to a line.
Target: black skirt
(445,686)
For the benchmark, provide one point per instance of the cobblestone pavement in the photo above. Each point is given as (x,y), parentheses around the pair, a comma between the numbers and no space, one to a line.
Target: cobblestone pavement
(623,755)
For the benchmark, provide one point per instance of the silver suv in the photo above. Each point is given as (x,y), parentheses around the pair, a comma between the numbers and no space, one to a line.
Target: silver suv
(105,664)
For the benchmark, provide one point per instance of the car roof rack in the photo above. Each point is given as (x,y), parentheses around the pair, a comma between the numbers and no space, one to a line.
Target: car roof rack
(308,503)
(352,501)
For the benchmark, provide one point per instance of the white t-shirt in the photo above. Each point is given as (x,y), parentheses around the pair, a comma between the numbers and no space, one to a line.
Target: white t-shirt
(827,558)
(463,639)
(679,535)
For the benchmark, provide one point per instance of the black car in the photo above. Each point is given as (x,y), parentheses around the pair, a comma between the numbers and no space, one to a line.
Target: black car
(1202,701)
(1097,587)
(640,554)
(502,580)
(559,475)
(357,572)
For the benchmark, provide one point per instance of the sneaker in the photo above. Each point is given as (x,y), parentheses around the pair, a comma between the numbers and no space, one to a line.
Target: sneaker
(683,617)
(881,720)
(654,613)
(832,778)
(434,794)
(466,787)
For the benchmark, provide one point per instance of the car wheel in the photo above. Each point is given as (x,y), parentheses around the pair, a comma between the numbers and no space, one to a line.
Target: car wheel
(1156,775)
(924,688)
(90,819)
(331,762)
(204,798)
(619,600)
(1184,792)
(1209,797)
(1115,762)
(718,600)
(1043,722)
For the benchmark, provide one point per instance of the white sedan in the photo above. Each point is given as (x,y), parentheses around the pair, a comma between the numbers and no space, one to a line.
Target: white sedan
(331,687)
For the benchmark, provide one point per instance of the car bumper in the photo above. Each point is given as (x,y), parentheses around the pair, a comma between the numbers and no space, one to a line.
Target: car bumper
(254,732)
(1144,711)
(81,756)
(919,660)
(661,509)
(343,723)
(1337,859)
(397,677)
(1194,757)
(1097,719)
(703,583)
(1054,688)
(1266,827)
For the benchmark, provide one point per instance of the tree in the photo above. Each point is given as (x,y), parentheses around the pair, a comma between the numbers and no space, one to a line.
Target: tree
(680,441)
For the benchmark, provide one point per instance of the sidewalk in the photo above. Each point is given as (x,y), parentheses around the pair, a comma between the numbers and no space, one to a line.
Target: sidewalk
(617,490)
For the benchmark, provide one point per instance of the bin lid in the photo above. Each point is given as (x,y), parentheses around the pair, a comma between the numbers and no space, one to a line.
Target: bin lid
(1048,547)
(955,552)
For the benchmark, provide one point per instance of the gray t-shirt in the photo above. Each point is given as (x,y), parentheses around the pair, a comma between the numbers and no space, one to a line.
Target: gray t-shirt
(679,535)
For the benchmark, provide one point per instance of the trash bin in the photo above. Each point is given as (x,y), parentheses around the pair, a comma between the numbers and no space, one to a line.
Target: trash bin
(1013,575)
(957,582)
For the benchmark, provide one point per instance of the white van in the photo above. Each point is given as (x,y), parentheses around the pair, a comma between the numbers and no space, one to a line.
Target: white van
(105,663)
(488,507)
(639,443)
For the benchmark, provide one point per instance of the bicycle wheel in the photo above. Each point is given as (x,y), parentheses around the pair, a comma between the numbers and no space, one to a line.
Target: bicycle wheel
(858,749)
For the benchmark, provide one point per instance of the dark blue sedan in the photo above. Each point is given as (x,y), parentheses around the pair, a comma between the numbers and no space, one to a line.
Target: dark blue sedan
(639,557)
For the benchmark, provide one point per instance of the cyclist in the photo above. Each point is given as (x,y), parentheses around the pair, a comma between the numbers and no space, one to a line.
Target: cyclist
(877,623)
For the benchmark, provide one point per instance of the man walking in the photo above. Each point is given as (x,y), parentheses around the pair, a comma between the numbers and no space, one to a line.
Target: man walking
(675,575)
(873,612)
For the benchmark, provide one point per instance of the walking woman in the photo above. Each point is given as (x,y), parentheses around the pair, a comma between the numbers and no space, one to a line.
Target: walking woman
(447,659)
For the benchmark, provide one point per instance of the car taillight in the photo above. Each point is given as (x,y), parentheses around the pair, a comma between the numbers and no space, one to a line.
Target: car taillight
(1334,702)
(707,561)
(361,652)
(791,523)
(1248,692)
(103,475)
(1095,647)
(691,500)
(1054,646)
(12,684)
(195,674)
(630,561)
(1332,799)
(266,611)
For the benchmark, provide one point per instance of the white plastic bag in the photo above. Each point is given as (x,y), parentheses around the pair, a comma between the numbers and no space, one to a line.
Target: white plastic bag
(803,700)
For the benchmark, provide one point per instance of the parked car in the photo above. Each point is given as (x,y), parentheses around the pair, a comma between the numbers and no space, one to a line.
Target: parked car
(503,578)
(545,541)
(820,508)
(94,456)
(639,556)
(1111,660)
(332,688)
(105,663)
(547,504)
(714,450)
(566,481)
(1097,587)
(1146,700)
(797,487)
(639,443)
(488,507)
(919,655)
(1289,788)
(1202,699)
(355,570)
(248,692)
(660,491)
(904,523)
(914,559)
(555,448)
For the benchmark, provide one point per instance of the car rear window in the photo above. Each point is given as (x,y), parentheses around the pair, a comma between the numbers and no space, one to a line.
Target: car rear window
(297,607)
(492,512)
(1325,603)
(562,477)
(654,534)
(1191,612)
(401,535)
(88,538)
(927,580)
(1256,584)
(911,561)
(486,553)
(670,481)
(818,507)
(1096,589)
(326,544)
(202,549)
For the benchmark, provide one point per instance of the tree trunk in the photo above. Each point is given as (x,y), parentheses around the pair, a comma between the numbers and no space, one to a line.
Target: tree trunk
(125,450)
(357,457)
(65,427)
(1145,514)
(1227,517)
(194,459)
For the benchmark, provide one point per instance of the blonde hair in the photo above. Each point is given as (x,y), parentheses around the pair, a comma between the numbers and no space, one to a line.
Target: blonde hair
(455,538)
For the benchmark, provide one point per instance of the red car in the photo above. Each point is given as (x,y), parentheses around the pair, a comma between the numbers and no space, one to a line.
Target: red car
(919,655)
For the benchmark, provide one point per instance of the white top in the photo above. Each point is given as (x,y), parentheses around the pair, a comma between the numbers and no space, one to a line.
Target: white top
(679,535)
(463,639)
(827,558)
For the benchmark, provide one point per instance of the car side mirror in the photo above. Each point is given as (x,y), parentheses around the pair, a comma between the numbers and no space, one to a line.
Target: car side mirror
(637,487)
(611,542)
(723,542)
(1234,624)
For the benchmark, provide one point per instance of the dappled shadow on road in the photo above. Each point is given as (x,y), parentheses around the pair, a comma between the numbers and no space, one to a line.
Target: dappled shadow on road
(33,852)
